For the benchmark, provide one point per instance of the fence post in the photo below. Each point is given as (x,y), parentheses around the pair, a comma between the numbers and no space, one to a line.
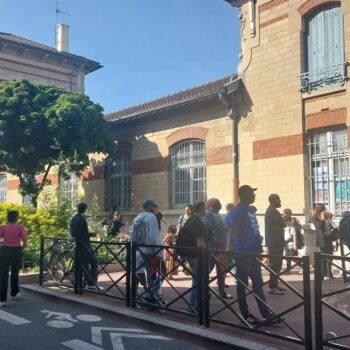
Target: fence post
(343,263)
(133,275)
(41,262)
(307,303)
(318,302)
(127,276)
(200,285)
(77,268)
(206,287)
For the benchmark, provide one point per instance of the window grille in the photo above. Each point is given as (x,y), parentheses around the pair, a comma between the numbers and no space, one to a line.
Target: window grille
(3,188)
(26,200)
(69,188)
(329,170)
(119,181)
(188,163)
(324,45)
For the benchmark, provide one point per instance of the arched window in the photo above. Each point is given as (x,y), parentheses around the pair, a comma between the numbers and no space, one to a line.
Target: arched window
(119,180)
(324,48)
(188,165)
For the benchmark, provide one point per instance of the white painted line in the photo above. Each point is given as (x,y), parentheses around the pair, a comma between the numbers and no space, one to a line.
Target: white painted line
(13,319)
(117,339)
(96,332)
(77,344)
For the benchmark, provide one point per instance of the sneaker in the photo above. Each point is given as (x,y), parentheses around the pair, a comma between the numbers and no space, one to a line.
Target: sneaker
(271,320)
(282,289)
(252,320)
(226,296)
(17,296)
(95,288)
(275,291)
(2,303)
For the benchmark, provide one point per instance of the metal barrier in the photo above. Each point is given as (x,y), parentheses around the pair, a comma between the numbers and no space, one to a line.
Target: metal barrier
(57,261)
(296,333)
(323,299)
(148,260)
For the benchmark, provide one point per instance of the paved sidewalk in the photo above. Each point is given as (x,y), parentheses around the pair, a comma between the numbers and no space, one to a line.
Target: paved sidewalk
(186,325)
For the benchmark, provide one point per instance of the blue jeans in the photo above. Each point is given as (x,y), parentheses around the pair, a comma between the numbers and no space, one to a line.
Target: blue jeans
(193,293)
(249,267)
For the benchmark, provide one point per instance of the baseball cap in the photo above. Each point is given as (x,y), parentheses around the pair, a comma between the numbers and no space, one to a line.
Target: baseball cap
(244,189)
(149,203)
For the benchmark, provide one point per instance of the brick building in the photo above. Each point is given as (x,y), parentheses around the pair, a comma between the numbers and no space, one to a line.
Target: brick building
(25,59)
(289,102)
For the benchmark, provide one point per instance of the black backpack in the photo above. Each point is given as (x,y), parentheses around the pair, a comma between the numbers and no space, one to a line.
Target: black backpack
(300,237)
(344,229)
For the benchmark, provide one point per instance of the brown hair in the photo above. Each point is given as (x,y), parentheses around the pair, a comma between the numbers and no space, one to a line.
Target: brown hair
(319,208)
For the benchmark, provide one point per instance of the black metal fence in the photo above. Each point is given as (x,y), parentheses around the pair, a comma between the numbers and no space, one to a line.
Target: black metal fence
(332,332)
(135,274)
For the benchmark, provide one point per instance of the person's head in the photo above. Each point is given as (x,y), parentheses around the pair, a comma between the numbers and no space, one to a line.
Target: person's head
(12,216)
(275,200)
(172,229)
(188,209)
(149,205)
(287,215)
(156,208)
(105,222)
(253,209)
(229,207)
(116,215)
(213,204)
(82,208)
(246,194)
(199,208)
(318,210)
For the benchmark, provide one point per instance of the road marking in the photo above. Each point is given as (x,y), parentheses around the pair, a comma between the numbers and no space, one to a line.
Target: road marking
(13,319)
(77,344)
(117,339)
(96,332)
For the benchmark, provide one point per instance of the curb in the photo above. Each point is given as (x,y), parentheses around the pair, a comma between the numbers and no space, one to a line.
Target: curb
(196,332)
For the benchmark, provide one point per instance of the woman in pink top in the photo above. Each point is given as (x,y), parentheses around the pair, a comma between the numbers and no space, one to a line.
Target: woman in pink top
(11,254)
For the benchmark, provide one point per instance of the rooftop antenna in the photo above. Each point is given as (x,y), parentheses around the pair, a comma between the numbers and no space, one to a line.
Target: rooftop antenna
(58,12)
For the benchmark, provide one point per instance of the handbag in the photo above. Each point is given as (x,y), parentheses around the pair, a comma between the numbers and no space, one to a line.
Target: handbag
(332,232)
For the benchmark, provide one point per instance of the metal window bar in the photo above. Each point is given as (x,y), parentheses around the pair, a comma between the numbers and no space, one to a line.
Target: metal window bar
(3,188)
(119,181)
(226,307)
(335,341)
(329,170)
(69,188)
(188,162)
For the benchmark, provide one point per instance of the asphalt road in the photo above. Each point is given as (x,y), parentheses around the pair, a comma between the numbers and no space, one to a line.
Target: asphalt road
(38,323)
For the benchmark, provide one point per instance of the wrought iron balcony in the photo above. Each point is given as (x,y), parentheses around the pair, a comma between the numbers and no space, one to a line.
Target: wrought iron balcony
(311,81)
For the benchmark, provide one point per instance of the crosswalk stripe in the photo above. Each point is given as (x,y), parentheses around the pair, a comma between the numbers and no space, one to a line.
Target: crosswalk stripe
(77,344)
(13,319)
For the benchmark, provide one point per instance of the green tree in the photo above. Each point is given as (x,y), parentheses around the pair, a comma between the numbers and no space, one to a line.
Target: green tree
(43,126)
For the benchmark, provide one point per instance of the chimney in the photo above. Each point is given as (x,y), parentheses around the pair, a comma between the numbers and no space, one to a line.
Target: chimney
(62,37)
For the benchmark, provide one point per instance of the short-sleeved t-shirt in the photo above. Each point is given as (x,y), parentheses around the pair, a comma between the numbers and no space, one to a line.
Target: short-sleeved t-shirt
(245,224)
(13,234)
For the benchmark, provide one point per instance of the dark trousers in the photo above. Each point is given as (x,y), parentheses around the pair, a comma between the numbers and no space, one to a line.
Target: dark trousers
(86,258)
(10,258)
(219,273)
(249,267)
(275,264)
(326,265)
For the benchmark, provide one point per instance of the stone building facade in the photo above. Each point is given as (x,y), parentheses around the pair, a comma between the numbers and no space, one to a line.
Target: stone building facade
(290,100)
(25,59)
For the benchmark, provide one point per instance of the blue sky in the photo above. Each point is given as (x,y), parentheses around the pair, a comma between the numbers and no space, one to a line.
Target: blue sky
(149,48)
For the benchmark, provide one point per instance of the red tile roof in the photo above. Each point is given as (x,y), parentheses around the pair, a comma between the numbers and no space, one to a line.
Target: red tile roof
(198,92)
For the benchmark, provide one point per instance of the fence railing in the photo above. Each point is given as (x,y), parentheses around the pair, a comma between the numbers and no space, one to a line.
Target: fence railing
(135,274)
(334,334)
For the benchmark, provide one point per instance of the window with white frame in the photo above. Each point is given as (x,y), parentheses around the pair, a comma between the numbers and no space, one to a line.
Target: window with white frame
(329,175)
(69,188)
(119,181)
(26,199)
(324,47)
(189,175)
(3,188)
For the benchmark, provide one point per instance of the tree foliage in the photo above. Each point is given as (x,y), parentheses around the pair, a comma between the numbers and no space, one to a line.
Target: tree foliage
(43,126)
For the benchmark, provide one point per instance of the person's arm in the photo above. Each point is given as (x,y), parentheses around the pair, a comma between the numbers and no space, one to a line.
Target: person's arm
(165,222)
(294,235)
(24,236)
(232,233)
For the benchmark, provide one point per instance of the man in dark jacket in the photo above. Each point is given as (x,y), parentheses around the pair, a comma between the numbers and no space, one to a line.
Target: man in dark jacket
(274,238)
(84,254)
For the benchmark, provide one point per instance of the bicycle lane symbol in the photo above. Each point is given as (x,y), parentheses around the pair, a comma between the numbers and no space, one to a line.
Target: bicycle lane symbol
(65,320)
